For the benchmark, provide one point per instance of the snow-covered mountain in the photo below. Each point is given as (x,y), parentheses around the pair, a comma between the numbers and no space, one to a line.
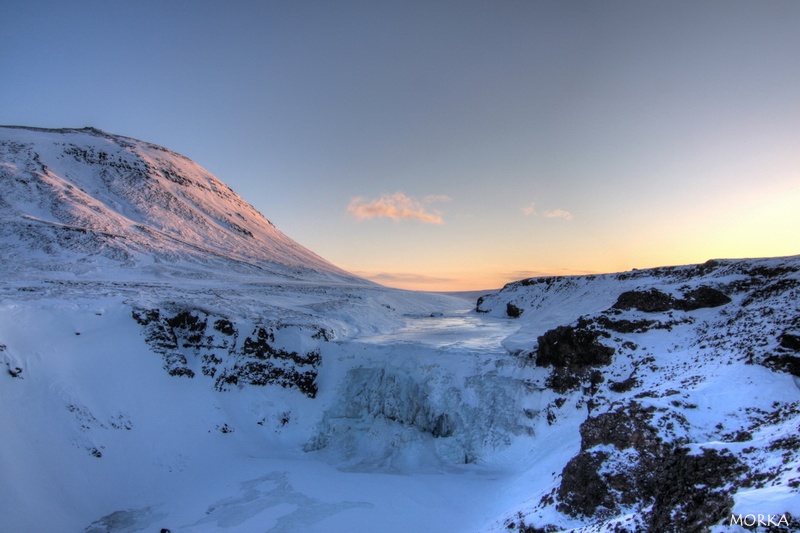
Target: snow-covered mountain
(170,360)
(86,202)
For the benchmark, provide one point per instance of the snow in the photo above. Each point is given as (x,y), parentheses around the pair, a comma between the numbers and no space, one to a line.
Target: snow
(164,461)
(769,500)
(120,199)
(428,416)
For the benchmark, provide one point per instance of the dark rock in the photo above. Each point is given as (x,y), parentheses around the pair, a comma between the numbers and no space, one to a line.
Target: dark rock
(259,347)
(765,292)
(790,443)
(623,386)
(655,301)
(567,346)
(652,301)
(624,428)
(771,272)
(323,333)
(176,365)
(224,326)
(702,297)
(583,491)
(521,527)
(675,491)
(573,352)
(188,321)
(189,335)
(790,341)
(513,311)
(564,379)
(688,491)
(783,363)
(144,317)
(627,326)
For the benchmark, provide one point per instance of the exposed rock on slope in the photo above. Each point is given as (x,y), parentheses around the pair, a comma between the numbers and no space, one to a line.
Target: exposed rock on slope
(194,340)
(688,380)
(654,300)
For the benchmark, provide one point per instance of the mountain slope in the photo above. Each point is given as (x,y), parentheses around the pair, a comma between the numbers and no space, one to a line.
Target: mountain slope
(86,201)
(678,389)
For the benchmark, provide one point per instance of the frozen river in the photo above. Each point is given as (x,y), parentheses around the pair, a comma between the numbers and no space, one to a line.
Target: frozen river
(460,330)
(417,429)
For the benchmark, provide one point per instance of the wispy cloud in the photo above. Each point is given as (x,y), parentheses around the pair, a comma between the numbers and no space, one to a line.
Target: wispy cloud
(431,198)
(515,275)
(401,277)
(558,213)
(397,206)
(530,210)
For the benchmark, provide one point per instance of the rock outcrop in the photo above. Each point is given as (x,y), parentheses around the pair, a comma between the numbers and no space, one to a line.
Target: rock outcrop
(658,451)
(189,340)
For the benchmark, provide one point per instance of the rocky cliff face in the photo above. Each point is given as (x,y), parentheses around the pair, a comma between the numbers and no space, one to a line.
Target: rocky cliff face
(688,380)
(192,340)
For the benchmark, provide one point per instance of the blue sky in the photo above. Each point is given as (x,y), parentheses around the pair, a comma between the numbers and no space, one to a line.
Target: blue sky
(449,145)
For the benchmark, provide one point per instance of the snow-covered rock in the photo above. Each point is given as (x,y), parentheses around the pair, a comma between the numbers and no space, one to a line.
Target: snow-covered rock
(687,378)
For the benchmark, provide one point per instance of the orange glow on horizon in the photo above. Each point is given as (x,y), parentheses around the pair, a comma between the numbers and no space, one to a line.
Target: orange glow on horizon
(475,282)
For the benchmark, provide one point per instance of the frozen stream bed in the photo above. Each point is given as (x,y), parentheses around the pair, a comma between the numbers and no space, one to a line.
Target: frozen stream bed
(463,330)
(418,429)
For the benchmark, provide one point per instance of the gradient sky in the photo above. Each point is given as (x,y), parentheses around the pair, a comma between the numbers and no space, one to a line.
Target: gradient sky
(449,145)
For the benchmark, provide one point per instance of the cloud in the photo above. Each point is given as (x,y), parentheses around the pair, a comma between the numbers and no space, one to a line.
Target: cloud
(516,275)
(401,277)
(558,213)
(396,206)
(431,198)
(530,210)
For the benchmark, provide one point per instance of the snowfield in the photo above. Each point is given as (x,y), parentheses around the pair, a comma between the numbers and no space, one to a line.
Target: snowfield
(169,359)
(96,432)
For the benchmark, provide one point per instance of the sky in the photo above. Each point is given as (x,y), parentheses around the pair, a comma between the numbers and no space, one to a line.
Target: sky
(449,145)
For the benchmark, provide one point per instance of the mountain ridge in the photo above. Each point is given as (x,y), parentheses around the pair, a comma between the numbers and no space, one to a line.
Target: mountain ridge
(99,196)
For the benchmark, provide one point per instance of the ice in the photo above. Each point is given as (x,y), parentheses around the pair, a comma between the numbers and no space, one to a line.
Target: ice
(128,521)
(273,490)
(463,330)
